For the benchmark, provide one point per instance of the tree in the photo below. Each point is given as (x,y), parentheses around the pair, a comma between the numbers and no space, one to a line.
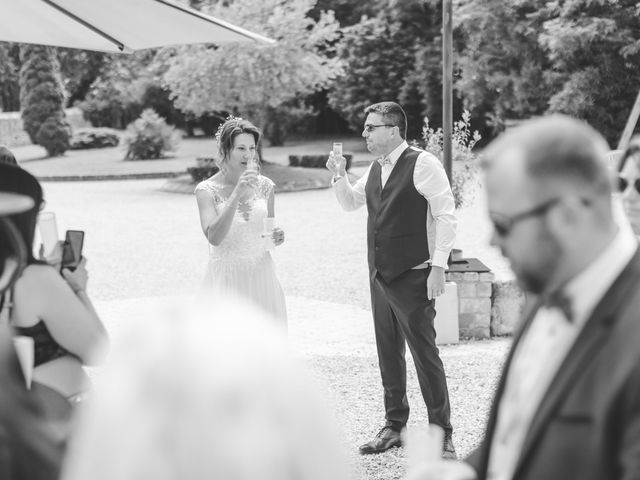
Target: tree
(42,98)
(9,84)
(595,50)
(261,81)
(385,60)
(504,70)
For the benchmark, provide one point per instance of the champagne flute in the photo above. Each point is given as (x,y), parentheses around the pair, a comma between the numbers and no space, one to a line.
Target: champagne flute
(337,152)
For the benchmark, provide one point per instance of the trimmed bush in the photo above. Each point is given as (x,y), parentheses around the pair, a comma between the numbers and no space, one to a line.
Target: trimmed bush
(54,135)
(86,138)
(314,161)
(42,98)
(205,167)
(149,137)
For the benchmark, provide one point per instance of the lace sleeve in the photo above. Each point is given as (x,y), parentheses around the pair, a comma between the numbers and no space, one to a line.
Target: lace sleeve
(211,189)
(265,186)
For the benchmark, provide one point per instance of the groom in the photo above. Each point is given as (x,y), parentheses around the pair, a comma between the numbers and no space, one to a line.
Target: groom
(410,232)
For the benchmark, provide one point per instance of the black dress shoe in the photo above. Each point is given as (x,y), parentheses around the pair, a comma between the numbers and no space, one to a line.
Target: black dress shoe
(385,439)
(448,450)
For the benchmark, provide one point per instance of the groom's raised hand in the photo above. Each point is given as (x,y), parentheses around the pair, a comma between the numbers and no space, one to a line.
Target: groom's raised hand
(336,165)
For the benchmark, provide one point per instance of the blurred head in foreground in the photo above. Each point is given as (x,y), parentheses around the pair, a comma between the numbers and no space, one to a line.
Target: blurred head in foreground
(549,198)
(195,395)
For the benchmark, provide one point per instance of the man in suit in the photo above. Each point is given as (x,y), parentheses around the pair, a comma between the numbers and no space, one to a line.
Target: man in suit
(568,403)
(410,232)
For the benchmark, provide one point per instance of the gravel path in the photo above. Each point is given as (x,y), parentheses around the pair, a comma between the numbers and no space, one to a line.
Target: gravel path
(144,246)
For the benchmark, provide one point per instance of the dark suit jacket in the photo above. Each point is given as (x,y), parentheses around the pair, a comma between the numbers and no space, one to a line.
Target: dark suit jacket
(587,426)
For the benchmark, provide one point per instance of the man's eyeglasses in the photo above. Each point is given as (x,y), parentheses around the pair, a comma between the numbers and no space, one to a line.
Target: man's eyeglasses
(624,184)
(370,127)
(503,224)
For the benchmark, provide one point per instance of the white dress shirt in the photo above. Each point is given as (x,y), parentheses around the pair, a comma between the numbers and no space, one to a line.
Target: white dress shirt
(542,350)
(430,180)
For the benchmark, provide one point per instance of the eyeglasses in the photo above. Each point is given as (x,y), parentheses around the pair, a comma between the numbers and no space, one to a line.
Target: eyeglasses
(503,224)
(370,127)
(624,184)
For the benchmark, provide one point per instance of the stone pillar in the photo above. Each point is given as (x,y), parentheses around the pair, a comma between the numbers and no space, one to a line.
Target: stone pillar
(474,296)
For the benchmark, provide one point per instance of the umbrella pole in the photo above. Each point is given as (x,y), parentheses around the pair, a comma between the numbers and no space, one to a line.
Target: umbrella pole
(631,124)
(447,85)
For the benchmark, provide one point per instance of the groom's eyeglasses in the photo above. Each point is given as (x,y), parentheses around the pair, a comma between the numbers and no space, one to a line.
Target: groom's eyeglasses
(503,224)
(370,127)
(624,184)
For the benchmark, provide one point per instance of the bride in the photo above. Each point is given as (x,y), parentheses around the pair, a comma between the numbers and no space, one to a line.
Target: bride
(233,206)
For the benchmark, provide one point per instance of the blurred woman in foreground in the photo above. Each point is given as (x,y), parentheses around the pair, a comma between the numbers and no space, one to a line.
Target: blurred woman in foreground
(191,397)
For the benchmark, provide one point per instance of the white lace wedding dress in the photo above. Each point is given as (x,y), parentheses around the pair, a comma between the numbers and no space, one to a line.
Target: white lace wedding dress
(241,264)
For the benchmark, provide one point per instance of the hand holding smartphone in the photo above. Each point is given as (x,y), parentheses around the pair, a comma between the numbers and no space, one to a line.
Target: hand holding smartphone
(72,249)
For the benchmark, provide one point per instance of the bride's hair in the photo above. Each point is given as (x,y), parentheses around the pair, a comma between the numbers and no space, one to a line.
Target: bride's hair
(229,130)
(205,393)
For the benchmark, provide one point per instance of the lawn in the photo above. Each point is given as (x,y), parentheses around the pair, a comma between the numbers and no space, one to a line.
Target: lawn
(108,162)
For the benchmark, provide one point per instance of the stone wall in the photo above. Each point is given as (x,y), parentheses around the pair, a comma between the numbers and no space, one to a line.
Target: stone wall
(12,134)
(486,307)
(474,302)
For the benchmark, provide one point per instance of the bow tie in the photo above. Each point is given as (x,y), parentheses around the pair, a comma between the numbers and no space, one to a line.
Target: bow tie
(561,301)
(384,161)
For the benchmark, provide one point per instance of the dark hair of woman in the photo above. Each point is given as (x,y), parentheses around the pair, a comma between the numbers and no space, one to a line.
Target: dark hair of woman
(16,180)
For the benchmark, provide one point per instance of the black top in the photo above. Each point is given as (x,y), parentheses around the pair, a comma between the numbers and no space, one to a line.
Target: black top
(45,347)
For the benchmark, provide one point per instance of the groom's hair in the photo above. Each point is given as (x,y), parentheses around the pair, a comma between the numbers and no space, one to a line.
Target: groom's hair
(392,113)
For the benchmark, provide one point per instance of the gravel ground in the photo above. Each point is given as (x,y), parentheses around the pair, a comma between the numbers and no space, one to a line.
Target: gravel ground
(144,244)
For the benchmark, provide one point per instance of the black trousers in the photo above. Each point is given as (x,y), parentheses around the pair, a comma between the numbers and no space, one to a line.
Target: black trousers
(403,313)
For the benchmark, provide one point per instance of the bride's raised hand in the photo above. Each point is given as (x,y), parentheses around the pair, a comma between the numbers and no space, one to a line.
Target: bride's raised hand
(245,188)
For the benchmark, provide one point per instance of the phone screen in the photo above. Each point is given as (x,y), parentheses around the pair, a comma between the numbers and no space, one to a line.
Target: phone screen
(72,251)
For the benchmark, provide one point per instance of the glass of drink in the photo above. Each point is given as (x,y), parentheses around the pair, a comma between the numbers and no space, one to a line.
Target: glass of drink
(24,347)
(337,152)
(253,164)
(269,223)
(48,231)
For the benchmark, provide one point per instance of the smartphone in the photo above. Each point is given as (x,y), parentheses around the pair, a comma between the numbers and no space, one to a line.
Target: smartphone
(72,249)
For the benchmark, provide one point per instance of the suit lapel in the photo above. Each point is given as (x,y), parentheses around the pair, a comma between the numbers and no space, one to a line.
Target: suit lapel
(589,341)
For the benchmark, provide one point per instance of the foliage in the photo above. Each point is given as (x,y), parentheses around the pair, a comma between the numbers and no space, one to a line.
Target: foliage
(114,99)
(42,97)
(149,137)
(86,138)
(53,135)
(9,80)
(315,161)
(462,142)
(200,173)
(252,78)
(503,68)
(79,69)
(595,50)
(385,60)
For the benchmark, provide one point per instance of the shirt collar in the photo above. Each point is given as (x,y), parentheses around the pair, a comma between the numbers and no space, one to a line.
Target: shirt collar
(587,289)
(396,152)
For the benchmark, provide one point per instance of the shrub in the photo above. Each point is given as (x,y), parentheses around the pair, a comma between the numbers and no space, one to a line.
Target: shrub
(54,135)
(42,98)
(205,168)
(464,169)
(314,161)
(149,137)
(86,138)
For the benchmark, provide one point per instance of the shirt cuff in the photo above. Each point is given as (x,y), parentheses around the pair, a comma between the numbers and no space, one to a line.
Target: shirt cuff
(439,259)
(336,179)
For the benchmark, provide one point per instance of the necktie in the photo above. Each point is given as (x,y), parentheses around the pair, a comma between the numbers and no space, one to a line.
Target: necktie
(561,301)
